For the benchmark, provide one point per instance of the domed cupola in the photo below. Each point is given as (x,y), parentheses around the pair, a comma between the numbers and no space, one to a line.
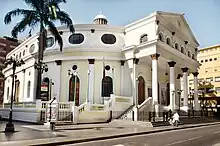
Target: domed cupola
(100,19)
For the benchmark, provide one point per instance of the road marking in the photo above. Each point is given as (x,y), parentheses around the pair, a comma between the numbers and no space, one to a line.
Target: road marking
(217,132)
(177,142)
(118,145)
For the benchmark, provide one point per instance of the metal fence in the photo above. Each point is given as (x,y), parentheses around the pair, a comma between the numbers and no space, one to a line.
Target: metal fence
(64,112)
(165,115)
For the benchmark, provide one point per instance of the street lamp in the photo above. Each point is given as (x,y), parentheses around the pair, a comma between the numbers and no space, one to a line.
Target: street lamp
(179,91)
(87,99)
(73,73)
(43,67)
(15,63)
(50,87)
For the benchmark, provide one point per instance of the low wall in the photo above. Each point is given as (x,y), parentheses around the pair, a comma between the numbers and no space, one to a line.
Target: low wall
(26,115)
(120,104)
(92,113)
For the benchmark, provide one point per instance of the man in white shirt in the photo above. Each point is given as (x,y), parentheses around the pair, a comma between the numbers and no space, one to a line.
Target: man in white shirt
(176,119)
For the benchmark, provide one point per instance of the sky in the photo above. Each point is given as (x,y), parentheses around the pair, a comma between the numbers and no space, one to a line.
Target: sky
(203,16)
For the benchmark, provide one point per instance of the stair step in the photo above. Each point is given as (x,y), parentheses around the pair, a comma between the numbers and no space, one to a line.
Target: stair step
(129,123)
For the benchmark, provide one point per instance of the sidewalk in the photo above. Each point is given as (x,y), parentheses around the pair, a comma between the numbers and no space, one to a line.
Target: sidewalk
(41,135)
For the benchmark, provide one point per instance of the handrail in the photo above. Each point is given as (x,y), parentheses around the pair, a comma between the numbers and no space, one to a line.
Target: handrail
(130,108)
(144,103)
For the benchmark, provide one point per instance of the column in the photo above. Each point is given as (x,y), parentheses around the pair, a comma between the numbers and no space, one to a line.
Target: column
(122,77)
(135,98)
(196,100)
(185,88)
(172,105)
(178,91)
(57,83)
(91,73)
(23,88)
(155,81)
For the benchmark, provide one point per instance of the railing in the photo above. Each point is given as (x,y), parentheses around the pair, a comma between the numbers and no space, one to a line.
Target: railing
(64,112)
(152,116)
(21,105)
(147,102)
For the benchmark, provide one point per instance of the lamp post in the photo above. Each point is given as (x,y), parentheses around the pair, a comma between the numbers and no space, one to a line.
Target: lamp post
(88,90)
(179,91)
(41,67)
(15,63)
(73,73)
(50,87)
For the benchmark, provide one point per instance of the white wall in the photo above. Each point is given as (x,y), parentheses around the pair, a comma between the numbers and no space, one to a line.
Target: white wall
(134,32)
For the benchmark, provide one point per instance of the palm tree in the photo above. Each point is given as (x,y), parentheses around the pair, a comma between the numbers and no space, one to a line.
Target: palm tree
(44,13)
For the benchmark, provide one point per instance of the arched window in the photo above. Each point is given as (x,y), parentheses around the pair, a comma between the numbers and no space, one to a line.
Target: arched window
(107,86)
(189,54)
(160,36)
(182,50)
(141,90)
(74,86)
(17,91)
(193,56)
(45,92)
(176,46)
(7,93)
(144,38)
(23,52)
(168,41)
(28,89)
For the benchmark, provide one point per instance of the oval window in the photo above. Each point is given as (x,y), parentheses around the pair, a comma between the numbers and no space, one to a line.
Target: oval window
(49,42)
(108,39)
(76,38)
(32,48)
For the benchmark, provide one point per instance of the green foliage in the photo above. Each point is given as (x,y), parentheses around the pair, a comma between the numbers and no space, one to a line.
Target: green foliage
(43,13)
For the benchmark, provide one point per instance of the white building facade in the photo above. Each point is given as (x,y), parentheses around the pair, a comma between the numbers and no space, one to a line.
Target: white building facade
(146,58)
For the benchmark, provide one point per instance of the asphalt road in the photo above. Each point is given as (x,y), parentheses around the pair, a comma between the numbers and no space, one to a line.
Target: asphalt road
(201,136)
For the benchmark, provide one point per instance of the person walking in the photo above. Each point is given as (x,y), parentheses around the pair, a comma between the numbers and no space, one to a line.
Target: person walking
(176,119)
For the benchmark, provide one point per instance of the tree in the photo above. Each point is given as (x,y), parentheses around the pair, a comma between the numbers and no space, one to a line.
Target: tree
(44,13)
(206,89)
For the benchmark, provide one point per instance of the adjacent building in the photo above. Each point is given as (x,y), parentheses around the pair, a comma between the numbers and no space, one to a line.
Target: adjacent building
(6,45)
(209,71)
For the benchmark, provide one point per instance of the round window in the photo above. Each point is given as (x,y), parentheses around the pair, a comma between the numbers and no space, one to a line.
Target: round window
(49,42)
(76,38)
(108,39)
(32,48)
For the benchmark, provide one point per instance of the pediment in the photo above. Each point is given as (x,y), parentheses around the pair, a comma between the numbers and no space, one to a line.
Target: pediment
(177,22)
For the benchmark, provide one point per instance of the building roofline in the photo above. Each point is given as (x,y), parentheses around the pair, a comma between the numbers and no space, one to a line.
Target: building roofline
(210,47)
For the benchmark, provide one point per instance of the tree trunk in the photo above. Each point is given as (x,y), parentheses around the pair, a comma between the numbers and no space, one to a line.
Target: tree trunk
(42,38)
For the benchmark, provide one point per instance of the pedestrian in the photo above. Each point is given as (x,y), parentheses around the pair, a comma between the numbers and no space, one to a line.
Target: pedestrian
(176,119)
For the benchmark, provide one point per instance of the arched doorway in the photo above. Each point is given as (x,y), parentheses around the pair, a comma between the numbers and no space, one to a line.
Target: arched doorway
(107,87)
(74,85)
(17,90)
(141,90)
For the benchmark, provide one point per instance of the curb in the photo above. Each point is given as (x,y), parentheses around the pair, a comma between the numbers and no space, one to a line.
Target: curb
(120,135)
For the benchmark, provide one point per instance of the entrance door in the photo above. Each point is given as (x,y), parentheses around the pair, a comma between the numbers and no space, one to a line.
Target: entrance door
(74,89)
(141,90)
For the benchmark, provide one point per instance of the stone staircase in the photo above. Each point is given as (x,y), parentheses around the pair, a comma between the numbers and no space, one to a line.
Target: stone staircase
(129,123)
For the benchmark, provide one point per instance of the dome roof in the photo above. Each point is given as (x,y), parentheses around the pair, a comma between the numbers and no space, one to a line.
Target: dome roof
(100,16)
